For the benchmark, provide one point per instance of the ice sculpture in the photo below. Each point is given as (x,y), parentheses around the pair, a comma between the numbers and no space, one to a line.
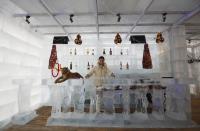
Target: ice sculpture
(124,102)
(24,102)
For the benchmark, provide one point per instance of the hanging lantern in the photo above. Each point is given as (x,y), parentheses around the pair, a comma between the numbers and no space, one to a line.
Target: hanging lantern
(118,39)
(78,40)
(53,57)
(159,38)
(146,61)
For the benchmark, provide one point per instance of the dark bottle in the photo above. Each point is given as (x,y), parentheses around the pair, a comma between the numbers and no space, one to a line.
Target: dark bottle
(104,51)
(110,51)
(120,65)
(70,67)
(127,66)
(88,66)
(92,51)
(70,52)
(75,51)
(121,52)
(87,51)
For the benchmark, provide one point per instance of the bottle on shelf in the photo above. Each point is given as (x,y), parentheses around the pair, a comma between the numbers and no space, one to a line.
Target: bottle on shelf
(126,51)
(127,66)
(121,52)
(70,52)
(75,51)
(92,51)
(70,67)
(104,51)
(87,51)
(110,52)
(120,65)
(76,65)
(88,65)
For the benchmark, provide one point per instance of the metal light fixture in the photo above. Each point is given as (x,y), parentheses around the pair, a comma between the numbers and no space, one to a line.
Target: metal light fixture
(27,19)
(189,41)
(119,17)
(71,18)
(164,16)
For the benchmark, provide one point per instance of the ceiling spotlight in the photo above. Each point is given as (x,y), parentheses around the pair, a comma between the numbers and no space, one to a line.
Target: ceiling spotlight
(119,17)
(189,41)
(164,16)
(27,19)
(71,18)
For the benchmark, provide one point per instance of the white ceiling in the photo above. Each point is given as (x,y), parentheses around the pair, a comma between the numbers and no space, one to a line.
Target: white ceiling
(85,19)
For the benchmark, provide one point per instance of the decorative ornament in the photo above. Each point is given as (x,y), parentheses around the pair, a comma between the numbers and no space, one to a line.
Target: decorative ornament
(118,39)
(78,40)
(159,38)
(53,57)
(146,61)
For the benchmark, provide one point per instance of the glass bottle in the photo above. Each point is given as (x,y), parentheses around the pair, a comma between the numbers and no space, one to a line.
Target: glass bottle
(121,52)
(126,51)
(87,51)
(127,66)
(88,65)
(110,52)
(70,52)
(76,65)
(104,51)
(120,65)
(70,67)
(75,51)
(92,51)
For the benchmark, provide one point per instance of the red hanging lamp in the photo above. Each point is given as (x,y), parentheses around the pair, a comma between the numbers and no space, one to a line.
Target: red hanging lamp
(118,39)
(78,40)
(159,38)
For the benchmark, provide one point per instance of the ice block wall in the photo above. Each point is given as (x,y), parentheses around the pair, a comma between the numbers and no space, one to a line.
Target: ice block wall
(20,60)
(178,57)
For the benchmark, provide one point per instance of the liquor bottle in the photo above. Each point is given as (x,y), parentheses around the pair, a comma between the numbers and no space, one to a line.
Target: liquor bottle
(110,51)
(88,66)
(70,67)
(104,51)
(87,51)
(121,52)
(92,51)
(76,66)
(127,66)
(70,52)
(120,65)
(75,51)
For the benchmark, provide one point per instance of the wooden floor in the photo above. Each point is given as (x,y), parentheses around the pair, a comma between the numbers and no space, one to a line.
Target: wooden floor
(38,124)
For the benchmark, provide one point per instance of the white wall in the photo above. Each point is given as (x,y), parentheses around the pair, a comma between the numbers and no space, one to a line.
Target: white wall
(20,58)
